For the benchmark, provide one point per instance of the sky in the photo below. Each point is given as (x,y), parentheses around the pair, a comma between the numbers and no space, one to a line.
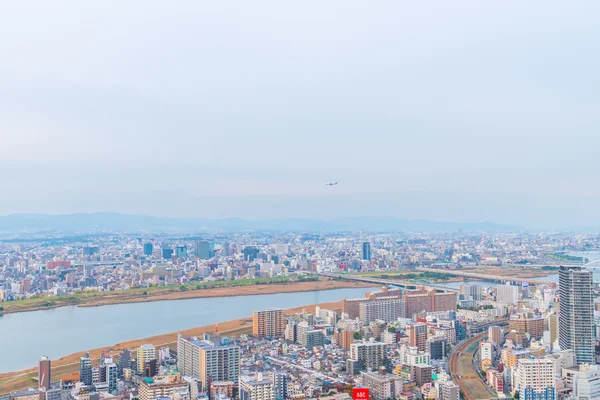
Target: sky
(460,111)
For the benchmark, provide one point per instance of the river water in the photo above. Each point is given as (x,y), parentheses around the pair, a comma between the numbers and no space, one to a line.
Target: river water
(24,337)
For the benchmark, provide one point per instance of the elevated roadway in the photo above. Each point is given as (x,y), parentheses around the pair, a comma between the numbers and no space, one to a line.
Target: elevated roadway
(400,283)
(487,277)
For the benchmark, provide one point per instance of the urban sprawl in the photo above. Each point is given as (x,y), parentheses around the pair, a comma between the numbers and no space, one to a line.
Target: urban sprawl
(457,315)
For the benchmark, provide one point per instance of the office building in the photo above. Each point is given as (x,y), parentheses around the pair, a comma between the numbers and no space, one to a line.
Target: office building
(148,249)
(260,388)
(536,379)
(44,379)
(85,369)
(170,387)
(366,251)
(202,249)
(437,347)
(507,294)
(384,309)
(167,253)
(486,351)
(181,251)
(576,317)
(269,323)
(145,353)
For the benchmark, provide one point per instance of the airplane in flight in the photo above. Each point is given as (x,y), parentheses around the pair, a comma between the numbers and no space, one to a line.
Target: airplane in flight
(331,184)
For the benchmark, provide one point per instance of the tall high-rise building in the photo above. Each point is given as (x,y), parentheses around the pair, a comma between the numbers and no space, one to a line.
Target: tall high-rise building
(507,294)
(536,379)
(495,335)
(576,317)
(124,360)
(181,251)
(366,356)
(280,385)
(202,249)
(474,291)
(205,360)
(85,369)
(148,249)
(385,309)
(366,251)
(44,379)
(145,353)
(417,335)
(112,371)
(268,323)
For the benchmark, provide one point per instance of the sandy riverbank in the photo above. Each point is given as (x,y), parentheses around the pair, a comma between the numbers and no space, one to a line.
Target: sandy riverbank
(20,380)
(108,298)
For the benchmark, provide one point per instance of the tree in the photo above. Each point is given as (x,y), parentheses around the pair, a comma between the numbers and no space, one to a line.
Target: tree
(145,293)
(356,336)
(1,308)
(182,288)
(392,329)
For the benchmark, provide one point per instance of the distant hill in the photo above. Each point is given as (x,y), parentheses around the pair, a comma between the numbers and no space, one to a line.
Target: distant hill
(132,223)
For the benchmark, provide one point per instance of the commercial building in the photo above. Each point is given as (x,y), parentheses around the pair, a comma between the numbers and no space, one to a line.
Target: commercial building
(576,317)
(148,249)
(269,323)
(536,379)
(145,353)
(385,309)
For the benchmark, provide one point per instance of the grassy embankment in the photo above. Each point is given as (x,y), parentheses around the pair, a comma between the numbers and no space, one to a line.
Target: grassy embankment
(193,290)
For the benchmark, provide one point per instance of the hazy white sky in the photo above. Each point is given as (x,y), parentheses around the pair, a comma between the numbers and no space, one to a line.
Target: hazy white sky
(461,110)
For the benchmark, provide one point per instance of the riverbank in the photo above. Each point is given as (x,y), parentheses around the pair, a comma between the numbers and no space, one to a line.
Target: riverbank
(24,379)
(174,293)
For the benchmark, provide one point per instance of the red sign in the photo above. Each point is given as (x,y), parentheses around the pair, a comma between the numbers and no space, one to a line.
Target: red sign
(360,394)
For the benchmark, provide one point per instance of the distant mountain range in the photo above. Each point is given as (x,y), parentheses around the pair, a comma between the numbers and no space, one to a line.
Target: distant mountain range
(133,223)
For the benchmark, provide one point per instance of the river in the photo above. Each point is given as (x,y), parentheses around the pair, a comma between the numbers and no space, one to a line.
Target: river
(24,337)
